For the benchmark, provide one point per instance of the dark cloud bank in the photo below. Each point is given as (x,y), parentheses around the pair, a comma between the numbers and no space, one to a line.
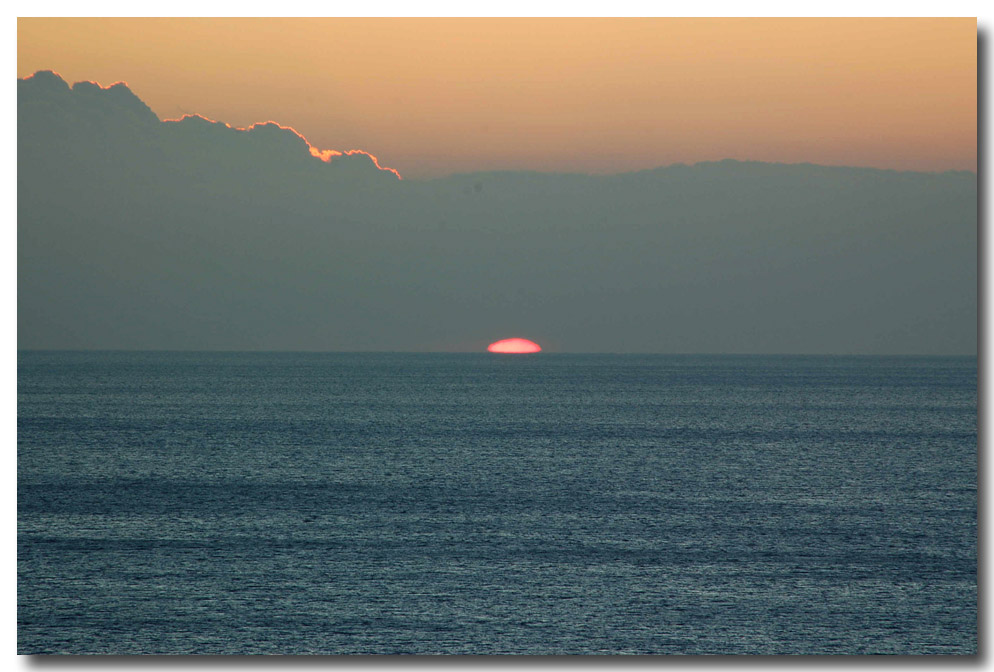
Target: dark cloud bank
(138,233)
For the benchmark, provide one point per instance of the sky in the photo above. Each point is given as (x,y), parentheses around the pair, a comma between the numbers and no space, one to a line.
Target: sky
(671,186)
(434,97)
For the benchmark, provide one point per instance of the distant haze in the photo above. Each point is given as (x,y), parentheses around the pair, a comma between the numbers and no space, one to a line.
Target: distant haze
(433,97)
(134,233)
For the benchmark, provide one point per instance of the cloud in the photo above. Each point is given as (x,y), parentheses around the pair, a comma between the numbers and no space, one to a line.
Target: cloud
(49,108)
(139,233)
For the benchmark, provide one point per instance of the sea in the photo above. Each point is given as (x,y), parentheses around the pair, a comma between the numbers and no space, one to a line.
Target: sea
(547,504)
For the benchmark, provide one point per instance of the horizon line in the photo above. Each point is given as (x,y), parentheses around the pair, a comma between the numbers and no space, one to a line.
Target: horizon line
(484,351)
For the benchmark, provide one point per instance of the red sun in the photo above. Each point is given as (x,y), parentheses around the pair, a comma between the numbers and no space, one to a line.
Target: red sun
(515,346)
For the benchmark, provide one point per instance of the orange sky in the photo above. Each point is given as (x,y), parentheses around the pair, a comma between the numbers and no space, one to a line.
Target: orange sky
(436,96)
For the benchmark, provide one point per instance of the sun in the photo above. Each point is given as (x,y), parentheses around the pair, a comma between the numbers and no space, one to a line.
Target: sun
(517,346)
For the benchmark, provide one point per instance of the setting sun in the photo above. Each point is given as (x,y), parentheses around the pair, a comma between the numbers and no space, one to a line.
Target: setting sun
(516,346)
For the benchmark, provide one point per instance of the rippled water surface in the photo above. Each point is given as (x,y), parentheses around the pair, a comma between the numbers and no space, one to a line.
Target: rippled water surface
(486,504)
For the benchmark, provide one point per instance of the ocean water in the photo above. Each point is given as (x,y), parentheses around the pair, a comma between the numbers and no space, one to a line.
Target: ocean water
(243,503)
